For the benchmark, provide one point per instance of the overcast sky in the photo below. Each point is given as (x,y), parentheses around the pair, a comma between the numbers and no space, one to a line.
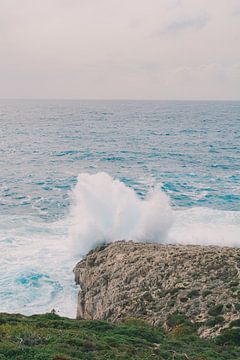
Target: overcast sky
(120,49)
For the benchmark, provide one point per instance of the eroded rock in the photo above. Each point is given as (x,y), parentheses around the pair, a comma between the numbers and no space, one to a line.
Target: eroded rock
(152,281)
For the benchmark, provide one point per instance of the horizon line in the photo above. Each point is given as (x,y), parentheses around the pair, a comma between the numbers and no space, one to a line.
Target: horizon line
(116,99)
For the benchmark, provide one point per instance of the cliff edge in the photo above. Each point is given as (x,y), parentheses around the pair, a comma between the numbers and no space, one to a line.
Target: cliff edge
(153,281)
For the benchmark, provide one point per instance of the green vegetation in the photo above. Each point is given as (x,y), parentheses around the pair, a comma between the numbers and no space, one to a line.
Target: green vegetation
(193,294)
(235,323)
(206,292)
(234,283)
(237,307)
(216,310)
(50,337)
(229,337)
(178,318)
(215,321)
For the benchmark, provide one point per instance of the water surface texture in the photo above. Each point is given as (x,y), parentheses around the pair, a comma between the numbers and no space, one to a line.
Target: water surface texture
(190,149)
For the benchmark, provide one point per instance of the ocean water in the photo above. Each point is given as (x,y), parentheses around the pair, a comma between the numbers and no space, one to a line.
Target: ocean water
(76,173)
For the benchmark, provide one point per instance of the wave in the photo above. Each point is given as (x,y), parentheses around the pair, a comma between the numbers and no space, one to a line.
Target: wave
(37,261)
(205,226)
(105,210)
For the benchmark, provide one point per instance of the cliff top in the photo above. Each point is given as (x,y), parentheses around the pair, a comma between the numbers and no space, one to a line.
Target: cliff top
(154,282)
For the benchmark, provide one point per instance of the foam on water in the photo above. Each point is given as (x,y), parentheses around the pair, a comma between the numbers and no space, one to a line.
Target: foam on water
(36,267)
(38,257)
(105,210)
(49,215)
(204,226)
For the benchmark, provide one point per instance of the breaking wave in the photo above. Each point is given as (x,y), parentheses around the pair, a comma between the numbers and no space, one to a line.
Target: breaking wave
(38,256)
(105,210)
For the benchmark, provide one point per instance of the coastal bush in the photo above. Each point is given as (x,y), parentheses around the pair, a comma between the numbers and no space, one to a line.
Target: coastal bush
(229,337)
(181,330)
(192,294)
(215,321)
(206,292)
(177,319)
(171,303)
(216,310)
(57,338)
(235,323)
(61,357)
(174,291)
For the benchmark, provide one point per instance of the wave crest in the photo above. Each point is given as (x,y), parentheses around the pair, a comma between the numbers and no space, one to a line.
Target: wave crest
(105,210)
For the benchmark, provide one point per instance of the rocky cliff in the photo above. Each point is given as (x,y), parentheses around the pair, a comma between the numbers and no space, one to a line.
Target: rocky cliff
(152,281)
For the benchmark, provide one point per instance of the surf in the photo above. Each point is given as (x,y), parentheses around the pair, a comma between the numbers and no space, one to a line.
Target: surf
(104,210)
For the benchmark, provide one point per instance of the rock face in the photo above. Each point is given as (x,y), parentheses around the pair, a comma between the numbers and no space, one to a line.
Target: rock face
(152,281)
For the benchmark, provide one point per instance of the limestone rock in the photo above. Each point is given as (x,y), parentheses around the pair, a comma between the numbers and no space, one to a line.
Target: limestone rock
(152,281)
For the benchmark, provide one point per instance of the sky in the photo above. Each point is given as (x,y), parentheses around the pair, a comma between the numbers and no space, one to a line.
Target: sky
(120,49)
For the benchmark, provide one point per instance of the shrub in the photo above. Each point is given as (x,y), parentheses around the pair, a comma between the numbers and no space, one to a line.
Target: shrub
(177,319)
(216,310)
(174,291)
(171,303)
(235,323)
(229,337)
(206,292)
(237,307)
(60,357)
(133,339)
(89,345)
(181,330)
(32,340)
(215,320)
(192,294)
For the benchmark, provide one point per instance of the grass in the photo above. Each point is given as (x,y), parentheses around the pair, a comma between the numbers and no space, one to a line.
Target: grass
(50,337)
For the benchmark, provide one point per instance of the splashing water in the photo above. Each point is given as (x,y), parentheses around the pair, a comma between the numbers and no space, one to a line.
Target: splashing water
(50,216)
(106,210)
(38,257)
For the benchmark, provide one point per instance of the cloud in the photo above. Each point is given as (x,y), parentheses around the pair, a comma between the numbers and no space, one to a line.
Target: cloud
(174,3)
(236,12)
(119,49)
(184,23)
(205,81)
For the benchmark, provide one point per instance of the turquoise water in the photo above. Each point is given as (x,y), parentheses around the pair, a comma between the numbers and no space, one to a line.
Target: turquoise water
(190,149)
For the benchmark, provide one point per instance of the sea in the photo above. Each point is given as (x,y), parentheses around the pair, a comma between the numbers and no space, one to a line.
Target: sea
(77,173)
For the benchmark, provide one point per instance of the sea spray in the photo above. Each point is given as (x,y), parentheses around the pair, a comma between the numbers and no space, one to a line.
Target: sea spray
(190,147)
(205,226)
(37,257)
(104,210)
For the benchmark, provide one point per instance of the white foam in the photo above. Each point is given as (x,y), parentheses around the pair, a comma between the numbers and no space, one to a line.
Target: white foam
(204,226)
(37,261)
(105,210)
(36,268)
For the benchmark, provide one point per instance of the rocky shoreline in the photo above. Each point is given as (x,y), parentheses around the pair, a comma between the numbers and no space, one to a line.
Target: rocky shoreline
(153,282)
